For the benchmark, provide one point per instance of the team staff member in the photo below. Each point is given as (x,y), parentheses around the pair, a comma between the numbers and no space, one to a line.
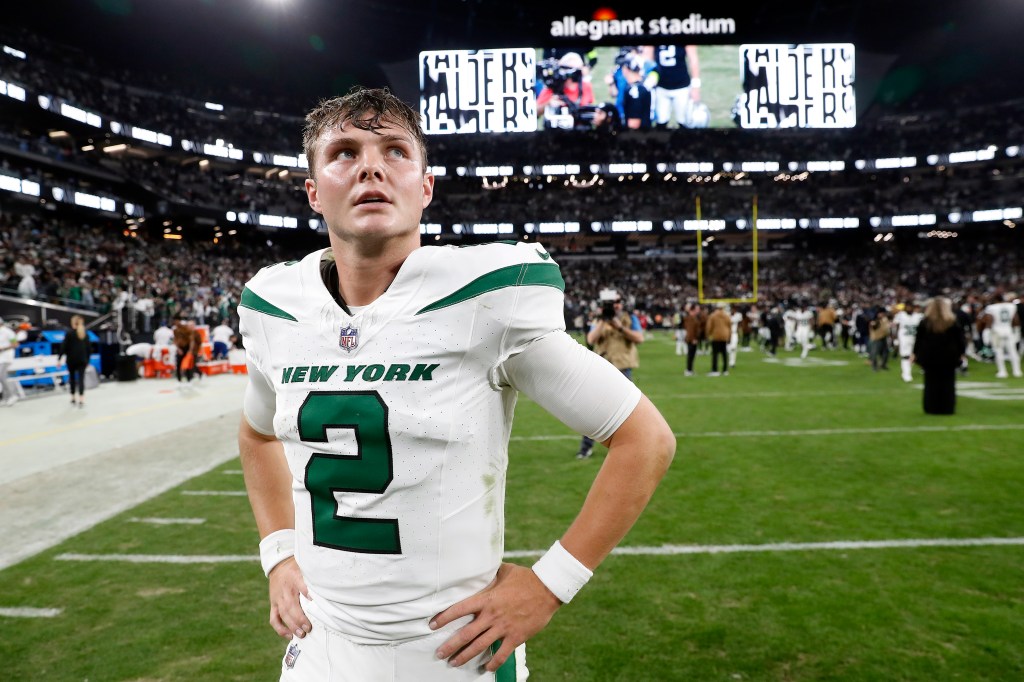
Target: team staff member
(615,337)
(879,341)
(827,325)
(719,330)
(383,377)
(185,341)
(75,347)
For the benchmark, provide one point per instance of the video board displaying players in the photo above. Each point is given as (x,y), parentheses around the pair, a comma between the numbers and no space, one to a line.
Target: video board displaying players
(638,87)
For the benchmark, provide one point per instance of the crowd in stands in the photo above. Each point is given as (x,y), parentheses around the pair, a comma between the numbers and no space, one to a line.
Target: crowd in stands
(99,268)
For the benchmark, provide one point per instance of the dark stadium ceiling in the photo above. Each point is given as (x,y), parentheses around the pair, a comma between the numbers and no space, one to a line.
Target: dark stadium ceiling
(300,50)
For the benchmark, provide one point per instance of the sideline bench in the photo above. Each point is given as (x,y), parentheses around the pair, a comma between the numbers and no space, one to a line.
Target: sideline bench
(37,370)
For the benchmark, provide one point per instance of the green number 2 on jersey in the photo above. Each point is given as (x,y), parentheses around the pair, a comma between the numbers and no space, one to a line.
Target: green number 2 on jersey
(370,470)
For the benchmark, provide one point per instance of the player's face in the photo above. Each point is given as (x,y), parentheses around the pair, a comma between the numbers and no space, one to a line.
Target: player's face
(370,185)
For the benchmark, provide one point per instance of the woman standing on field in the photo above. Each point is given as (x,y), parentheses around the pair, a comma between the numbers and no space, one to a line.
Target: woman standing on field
(75,347)
(939,348)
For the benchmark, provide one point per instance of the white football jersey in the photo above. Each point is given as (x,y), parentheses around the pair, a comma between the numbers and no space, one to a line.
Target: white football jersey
(789,318)
(1002,317)
(803,318)
(734,321)
(907,324)
(395,424)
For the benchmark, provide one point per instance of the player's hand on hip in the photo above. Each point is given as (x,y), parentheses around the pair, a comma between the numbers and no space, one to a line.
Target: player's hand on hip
(513,608)
(286,614)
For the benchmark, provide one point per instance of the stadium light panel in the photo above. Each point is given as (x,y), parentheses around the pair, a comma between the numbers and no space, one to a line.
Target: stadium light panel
(11,90)
(14,52)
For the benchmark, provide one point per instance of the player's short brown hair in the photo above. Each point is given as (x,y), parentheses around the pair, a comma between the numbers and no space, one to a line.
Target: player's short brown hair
(366,109)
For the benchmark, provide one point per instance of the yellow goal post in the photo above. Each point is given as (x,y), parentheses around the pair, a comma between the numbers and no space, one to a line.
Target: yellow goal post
(700,261)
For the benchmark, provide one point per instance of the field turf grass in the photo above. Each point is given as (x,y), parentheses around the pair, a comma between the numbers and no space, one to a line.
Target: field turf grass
(818,451)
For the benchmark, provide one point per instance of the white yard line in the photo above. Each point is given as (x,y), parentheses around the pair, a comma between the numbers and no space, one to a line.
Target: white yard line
(162,558)
(27,612)
(768,394)
(156,521)
(812,432)
(797,546)
(663,550)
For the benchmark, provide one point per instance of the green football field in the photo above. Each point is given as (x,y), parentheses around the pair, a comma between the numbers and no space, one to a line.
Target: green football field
(815,525)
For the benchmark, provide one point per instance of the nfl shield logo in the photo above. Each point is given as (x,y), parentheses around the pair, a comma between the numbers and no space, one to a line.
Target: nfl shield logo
(291,656)
(349,339)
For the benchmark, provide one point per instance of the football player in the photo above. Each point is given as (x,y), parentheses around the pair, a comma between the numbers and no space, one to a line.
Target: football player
(789,327)
(374,440)
(735,317)
(906,322)
(1000,318)
(804,332)
(678,84)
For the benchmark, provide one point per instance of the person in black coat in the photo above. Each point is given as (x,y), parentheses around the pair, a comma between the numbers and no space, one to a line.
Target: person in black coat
(939,349)
(75,347)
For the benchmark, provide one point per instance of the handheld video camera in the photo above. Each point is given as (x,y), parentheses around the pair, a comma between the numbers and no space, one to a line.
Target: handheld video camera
(554,76)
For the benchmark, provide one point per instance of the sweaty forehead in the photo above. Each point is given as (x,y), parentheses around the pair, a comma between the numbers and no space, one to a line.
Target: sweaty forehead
(366,122)
(387,131)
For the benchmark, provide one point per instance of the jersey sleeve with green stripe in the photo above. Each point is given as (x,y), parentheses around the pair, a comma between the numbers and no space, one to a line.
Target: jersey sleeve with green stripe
(397,439)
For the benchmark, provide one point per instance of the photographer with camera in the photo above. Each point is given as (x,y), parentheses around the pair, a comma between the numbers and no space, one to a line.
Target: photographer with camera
(614,336)
(566,90)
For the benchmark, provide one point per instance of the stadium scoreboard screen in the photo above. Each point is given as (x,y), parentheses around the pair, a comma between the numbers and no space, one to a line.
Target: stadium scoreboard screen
(478,91)
(803,86)
(757,86)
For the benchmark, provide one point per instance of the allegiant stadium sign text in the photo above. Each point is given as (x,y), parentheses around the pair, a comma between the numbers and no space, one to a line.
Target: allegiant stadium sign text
(596,29)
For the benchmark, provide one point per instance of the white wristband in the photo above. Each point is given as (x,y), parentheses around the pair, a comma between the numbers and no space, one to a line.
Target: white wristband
(276,547)
(561,572)
(694,82)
